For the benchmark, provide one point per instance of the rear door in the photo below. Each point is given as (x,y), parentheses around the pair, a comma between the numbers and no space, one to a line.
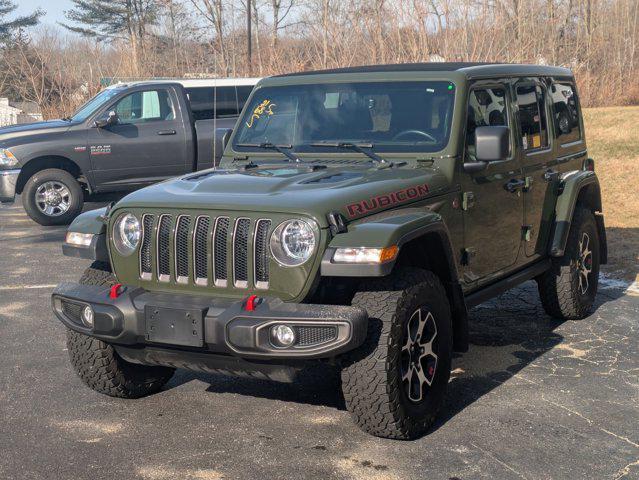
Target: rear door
(492,214)
(534,150)
(149,143)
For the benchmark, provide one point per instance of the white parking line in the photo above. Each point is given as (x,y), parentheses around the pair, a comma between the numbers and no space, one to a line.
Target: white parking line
(27,287)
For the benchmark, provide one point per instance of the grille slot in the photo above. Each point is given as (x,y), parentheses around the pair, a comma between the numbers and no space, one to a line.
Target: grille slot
(240,252)
(261,260)
(315,335)
(145,249)
(164,253)
(220,251)
(200,250)
(182,249)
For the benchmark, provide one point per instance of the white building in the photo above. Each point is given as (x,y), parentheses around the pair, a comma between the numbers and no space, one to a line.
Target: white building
(18,112)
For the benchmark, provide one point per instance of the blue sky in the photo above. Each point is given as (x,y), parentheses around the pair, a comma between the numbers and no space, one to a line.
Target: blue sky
(54,8)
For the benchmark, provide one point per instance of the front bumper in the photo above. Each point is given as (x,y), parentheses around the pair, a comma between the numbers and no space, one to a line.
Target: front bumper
(8,181)
(141,319)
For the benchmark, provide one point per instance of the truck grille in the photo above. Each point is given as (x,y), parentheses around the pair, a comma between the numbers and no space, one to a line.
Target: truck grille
(205,250)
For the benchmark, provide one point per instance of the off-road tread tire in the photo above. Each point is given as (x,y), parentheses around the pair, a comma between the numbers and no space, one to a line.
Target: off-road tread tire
(98,364)
(370,383)
(52,174)
(559,287)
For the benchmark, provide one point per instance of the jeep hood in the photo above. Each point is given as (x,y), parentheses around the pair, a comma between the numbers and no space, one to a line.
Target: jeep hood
(26,129)
(354,191)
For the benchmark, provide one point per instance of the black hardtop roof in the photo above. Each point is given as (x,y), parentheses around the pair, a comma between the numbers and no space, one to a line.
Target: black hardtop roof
(470,69)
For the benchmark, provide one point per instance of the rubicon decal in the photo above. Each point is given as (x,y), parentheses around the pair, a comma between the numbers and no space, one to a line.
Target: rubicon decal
(100,149)
(382,201)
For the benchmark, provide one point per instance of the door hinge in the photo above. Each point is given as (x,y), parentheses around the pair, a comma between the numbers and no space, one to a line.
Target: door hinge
(467,254)
(528,182)
(526,233)
(468,200)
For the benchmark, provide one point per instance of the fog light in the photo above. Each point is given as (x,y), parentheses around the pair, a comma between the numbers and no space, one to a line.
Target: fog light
(87,316)
(282,336)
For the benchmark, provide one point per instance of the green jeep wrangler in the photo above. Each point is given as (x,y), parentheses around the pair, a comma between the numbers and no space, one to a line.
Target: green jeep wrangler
(357,214)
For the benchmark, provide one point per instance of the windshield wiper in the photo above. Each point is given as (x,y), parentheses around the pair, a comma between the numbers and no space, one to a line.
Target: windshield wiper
(358,147)
(66,119)
(283,149)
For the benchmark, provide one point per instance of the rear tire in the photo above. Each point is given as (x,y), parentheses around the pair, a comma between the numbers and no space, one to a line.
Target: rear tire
(568,289)
(385,381)
(99,365)
(52,197)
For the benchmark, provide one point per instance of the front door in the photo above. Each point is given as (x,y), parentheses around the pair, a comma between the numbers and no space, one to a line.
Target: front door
(492,214)
(147,144)
(536,157)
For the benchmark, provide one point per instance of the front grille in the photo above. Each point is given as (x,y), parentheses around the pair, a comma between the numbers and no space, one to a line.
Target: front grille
(205,250)
(315,335)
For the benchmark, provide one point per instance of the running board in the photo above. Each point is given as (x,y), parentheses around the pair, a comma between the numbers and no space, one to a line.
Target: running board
(500,286)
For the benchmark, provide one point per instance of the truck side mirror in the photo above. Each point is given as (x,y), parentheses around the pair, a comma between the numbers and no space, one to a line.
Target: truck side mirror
(107,120)
(492,143)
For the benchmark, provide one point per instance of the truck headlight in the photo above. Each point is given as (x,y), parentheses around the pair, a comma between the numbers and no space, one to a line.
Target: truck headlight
(7,159)
(293,242)
(126,233)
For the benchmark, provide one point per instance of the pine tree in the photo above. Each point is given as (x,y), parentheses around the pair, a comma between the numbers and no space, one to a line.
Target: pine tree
(9,27)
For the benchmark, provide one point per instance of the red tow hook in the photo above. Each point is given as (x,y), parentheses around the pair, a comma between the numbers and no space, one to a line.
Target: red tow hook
(252,302)
(115,291)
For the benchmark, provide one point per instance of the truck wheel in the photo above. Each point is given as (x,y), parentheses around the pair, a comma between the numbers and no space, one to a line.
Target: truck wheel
(52,197)
(395,383)
(568,289)
(98,364)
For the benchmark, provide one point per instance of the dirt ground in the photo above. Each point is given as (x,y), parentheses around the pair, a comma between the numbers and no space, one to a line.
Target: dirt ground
(613,142)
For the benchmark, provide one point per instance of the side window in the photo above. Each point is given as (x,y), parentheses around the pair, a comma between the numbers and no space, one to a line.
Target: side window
(226,105)
(201,101)
(486,107)
(565,112)
(532,117)
(243,92)
(145,106)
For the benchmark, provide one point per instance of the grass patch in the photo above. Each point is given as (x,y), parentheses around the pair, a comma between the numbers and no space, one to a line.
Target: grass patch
(612,135)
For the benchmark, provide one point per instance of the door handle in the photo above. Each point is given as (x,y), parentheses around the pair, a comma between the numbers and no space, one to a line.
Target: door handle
(167,132)
(514,184)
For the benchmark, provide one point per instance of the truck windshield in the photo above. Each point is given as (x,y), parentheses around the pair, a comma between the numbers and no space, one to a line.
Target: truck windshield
(92,105)
(390,116)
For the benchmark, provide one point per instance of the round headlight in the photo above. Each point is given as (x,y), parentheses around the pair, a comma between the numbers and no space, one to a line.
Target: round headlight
(293,242)
(126,234)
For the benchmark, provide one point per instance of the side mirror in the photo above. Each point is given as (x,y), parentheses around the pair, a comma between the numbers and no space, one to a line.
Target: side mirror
(222,137)
(492,143)
(107,120)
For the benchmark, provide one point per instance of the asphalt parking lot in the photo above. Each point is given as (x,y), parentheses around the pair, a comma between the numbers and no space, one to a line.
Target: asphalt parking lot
(533,399)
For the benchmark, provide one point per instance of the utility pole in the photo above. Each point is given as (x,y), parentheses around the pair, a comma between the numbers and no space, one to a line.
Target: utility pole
(249,52)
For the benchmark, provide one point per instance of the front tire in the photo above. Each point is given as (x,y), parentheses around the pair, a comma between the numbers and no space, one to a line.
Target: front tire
(99,365)
(568,289)
(395,383)
(52,197)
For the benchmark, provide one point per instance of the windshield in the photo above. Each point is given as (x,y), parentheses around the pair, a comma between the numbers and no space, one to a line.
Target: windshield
(389,116)
(92,105)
